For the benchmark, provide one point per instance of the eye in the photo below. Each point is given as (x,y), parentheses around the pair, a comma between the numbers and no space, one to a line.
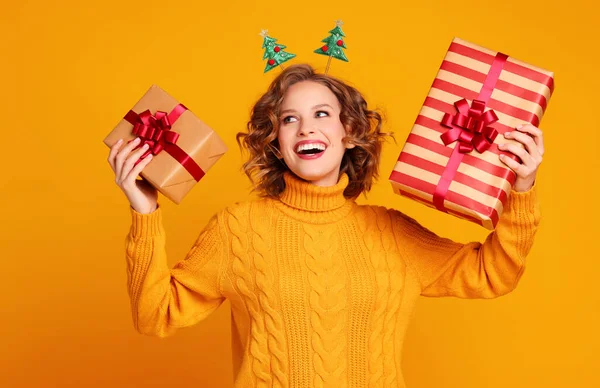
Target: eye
(322,111)
(286,121)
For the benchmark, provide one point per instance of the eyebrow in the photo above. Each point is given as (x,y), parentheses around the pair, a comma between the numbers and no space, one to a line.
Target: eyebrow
(314,107)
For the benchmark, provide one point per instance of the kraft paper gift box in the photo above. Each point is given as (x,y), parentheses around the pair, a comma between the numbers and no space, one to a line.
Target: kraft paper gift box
(184,148)
(450,158)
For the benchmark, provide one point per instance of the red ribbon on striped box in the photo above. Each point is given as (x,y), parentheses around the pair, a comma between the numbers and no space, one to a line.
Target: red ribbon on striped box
(450,161)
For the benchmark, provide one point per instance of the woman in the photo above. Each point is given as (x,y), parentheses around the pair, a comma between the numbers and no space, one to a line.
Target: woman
(321,288)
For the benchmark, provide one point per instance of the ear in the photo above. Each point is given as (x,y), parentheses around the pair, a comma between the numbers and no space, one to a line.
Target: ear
(347,144)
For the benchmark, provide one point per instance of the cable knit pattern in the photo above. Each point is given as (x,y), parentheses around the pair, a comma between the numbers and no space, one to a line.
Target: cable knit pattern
(321,289)
(396,270)
(142,254)
(367,223)
(327,301)
(265,282)
(245,284)
(294,300)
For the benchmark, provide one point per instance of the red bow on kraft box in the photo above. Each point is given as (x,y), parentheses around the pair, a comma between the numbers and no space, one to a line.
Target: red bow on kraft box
(450,161)
(185,147)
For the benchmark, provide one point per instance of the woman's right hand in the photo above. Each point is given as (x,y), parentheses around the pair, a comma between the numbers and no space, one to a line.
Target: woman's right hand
(141,195)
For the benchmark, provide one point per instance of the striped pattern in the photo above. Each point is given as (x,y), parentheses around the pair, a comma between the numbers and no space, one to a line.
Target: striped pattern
(482,184)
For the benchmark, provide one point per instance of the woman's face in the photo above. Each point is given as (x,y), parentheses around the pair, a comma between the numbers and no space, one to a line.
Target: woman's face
(310,133)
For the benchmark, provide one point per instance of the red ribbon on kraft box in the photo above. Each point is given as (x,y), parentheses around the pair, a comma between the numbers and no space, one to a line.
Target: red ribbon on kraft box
(155,130)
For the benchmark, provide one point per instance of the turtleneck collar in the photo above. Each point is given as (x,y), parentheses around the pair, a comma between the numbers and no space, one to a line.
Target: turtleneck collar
(314,204)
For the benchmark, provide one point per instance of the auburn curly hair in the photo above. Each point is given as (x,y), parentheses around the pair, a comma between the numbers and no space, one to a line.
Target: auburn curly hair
(361,163)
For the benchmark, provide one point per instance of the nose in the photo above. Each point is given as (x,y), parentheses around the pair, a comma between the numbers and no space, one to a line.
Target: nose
(305,129)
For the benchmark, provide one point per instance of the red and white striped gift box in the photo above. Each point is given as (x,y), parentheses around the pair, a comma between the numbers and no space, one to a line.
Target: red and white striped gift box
(477,95)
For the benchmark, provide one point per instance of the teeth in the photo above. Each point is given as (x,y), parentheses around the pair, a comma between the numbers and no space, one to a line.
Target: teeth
(304,147)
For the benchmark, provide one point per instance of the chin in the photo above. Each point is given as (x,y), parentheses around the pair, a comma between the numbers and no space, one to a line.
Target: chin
(311,174)
(314,170)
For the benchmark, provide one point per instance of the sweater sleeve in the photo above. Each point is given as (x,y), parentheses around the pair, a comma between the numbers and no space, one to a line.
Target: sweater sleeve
(472,270)
(164,299)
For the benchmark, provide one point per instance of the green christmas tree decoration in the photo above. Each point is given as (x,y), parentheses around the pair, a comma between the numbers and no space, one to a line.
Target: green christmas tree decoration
(334,44)
(274,53)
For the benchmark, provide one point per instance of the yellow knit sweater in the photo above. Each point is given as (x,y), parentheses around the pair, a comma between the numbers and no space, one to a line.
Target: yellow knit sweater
(321,288)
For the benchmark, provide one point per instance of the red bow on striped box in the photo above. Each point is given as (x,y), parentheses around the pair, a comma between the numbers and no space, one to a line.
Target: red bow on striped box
(450,161)
(470,126)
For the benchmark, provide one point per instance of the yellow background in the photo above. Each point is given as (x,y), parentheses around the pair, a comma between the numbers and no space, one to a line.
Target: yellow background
(72,69)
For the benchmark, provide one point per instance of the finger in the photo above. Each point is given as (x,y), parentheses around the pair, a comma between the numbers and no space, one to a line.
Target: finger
(136,170)
(536,133)
(528,141)
(513,165)
(527,160)
(122,155)
(113,153)
(130,161)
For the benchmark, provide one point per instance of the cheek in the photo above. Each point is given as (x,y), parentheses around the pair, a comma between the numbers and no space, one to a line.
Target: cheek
(284,140)
(336,137)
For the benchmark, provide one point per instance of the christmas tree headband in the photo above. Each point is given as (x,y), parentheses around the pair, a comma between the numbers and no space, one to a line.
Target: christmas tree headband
(276,54)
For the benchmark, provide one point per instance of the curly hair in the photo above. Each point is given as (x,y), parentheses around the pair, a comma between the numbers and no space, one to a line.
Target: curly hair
(361,163)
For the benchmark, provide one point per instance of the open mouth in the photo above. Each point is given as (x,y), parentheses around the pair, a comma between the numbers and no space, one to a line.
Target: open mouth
(309,149)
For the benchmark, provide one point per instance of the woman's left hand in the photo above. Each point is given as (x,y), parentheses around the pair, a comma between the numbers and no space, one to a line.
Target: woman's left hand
(531,155)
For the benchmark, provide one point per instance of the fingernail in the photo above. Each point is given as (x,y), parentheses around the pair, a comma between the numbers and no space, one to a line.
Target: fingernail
(119,141)
(145,146)
(507,133)
(520,126)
